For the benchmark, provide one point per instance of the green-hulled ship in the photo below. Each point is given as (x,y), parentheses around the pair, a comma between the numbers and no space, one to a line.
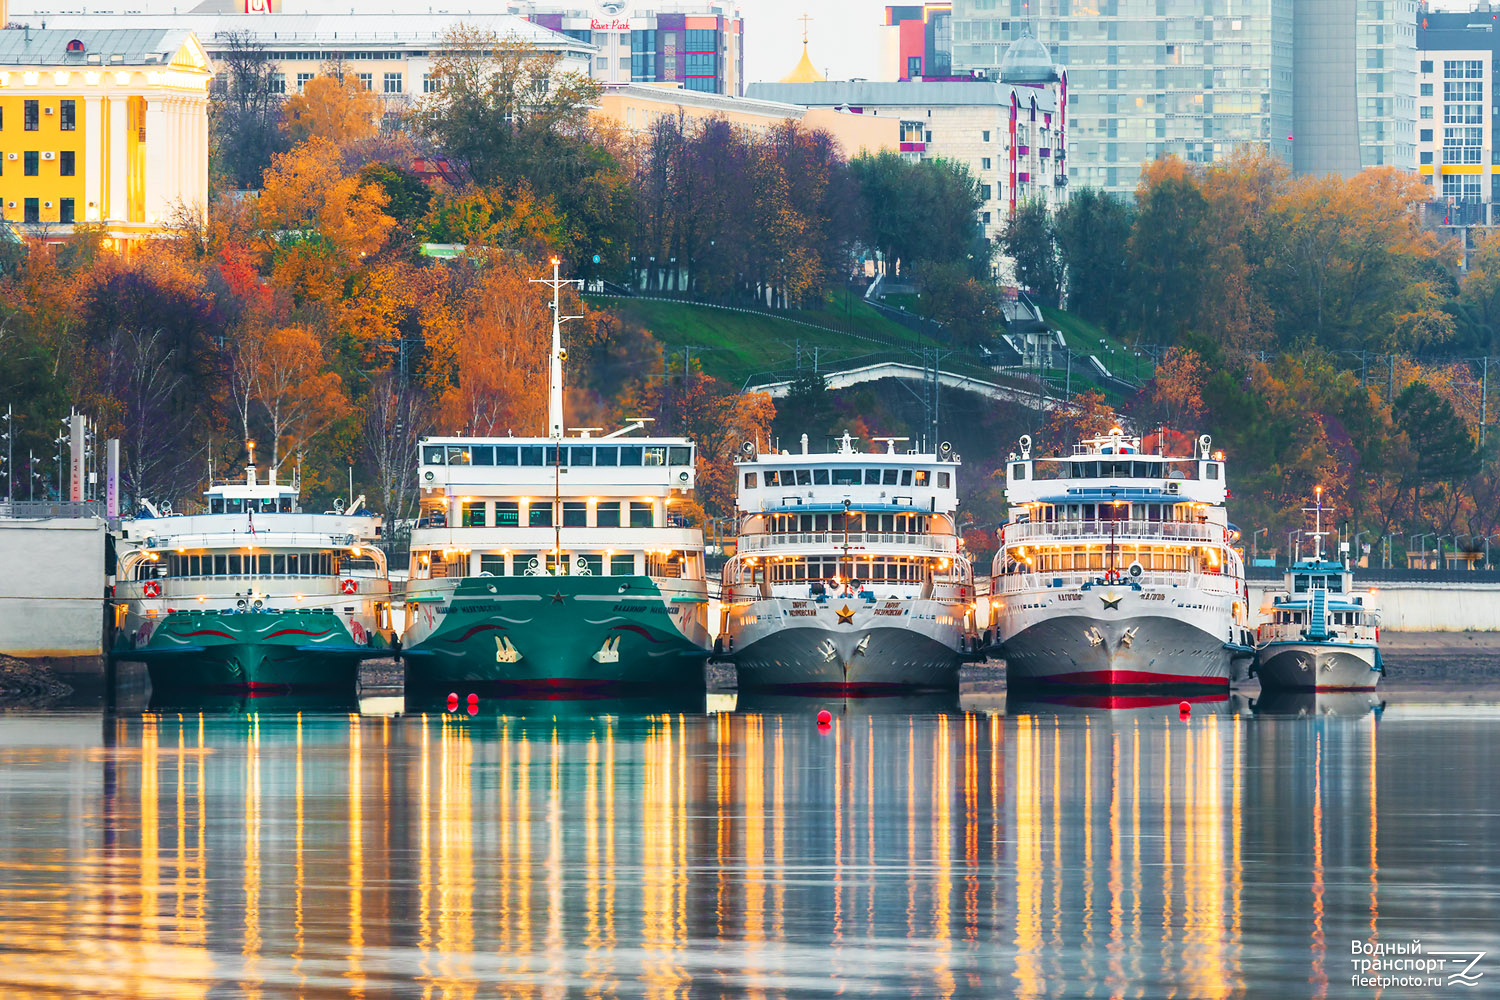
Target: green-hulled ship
(254,594)
(556,563)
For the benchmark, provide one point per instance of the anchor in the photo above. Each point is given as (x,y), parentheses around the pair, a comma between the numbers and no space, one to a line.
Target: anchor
(829,650)
(1094,637)
(609,652)
(864,645)
(1129,636)
(505,651)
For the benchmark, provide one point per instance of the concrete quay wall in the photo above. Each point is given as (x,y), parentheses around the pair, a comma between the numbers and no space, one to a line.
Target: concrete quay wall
(1417,606)
(52,593)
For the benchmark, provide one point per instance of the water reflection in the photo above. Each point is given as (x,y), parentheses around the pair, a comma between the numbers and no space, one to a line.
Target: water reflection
(1061,849)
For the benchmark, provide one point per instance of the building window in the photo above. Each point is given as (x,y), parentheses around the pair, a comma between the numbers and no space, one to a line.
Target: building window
(278,83)
(65,210)
(1426,112)
(303,79)
(1426,90)
(367,80)
(32,161)
(32,211)
(1426,65)
(986,135)
(1426,135)
(1426,158)
(985,218)
(985,192)
(1463,145)
(392,83)
(984,164)
(65,163)
(431,84)
(31,116)
(66,115)
(913,67)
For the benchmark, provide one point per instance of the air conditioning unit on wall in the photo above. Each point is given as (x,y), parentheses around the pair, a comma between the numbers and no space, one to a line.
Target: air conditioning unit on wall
(49,156)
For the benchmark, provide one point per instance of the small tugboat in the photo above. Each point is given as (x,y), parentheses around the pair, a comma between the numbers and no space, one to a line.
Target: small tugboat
(848,576)
(556,564)
(254,595)
(1319,635)
(1119,568)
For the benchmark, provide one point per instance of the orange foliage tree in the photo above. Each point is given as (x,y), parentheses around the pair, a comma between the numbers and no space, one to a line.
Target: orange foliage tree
(341,111)
(299,397)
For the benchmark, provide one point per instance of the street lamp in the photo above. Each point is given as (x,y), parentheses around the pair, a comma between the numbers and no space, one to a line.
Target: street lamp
(1394,534)
(1421,541)
(1254,538)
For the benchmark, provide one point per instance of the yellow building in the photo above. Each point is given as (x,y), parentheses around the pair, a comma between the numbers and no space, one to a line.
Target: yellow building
(103,127)
(637,105)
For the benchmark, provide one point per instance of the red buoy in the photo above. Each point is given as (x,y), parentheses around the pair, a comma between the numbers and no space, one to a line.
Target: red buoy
(473,699)
(1184,709)
(452,701)
(824,717)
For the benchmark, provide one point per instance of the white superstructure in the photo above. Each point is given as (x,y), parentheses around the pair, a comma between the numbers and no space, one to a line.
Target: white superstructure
(848,573)
(1119,567)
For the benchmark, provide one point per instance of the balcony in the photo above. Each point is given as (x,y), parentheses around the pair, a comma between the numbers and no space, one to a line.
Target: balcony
(834,541)
(1111,532)
(1025,583)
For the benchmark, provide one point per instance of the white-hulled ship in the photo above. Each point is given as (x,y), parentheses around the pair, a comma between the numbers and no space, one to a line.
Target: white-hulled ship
(253,595)
(1318,635)
(848,575)
(1119,568)
(556,563)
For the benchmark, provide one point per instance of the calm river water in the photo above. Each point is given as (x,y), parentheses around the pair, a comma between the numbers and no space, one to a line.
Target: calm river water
(580,849)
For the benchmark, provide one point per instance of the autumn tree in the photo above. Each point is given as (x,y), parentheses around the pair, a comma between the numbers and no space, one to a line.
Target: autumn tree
(1086,415)
(299,397)
(340,110)
(244,113)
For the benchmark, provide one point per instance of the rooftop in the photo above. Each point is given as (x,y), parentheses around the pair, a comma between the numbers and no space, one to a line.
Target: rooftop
(913,93)
(102,44)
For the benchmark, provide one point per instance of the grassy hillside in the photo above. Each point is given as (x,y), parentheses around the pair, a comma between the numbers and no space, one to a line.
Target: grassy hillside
(1084,337)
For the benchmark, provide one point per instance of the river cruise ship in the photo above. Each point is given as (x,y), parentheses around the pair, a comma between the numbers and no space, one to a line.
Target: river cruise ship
(558,563)
(1119,568)
(848,575)
(1318,634)
(253,594)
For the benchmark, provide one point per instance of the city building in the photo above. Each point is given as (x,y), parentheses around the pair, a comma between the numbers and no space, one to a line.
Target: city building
(1012,136)
(104,127)
(698,44)
(637,105)
(1199,78)
(391,54)
(917,42)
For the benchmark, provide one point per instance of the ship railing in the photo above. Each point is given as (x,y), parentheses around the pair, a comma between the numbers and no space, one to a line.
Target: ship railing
(835,540)
(1016,583)
(1293,632)
(1107,532)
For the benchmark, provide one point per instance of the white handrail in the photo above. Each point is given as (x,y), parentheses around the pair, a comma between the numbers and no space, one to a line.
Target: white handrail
(1107,532)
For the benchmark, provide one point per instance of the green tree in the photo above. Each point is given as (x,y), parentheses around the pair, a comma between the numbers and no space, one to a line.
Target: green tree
(926,211)
(1440,440)
(1093,236)
(1029,240)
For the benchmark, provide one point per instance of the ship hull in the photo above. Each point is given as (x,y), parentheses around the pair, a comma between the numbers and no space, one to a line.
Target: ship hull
(847,646)
(1137,651)
(1311,666)
(237,652)
(557,634)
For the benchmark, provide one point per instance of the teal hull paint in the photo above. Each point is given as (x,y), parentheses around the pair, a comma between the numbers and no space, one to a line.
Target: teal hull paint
(233,651)
(548,632)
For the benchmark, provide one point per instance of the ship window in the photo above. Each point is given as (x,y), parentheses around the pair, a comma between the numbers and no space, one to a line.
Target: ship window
(216,505)
(268,506)
(553,457)
(622,565)
(819,476)
(575,514)
(872,477)
(458,455)
(265,565)
(531,455)
(656,456)
(473,514)
(594,563)
(582,456)
(506,455)
(680,455)
(944,480)
(641,515)
(889,478)
(235,505)
(846,477)
(286,505)
(821,522)
(804,478)
(482,454)
(221,566)
(607,515)
(494,565)
(278,565)
(234,565)
(607,456)
(771,477)
(540,515)
(432,456)
(751,479)
(905,477)
(630,454)
(923,478)
(507,514)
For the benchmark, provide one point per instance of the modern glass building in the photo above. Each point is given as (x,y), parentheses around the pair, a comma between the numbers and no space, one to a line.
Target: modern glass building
(1197,78)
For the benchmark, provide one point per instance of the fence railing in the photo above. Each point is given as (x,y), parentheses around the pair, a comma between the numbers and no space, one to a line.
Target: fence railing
(51,508)
(833,541)
(1113,532)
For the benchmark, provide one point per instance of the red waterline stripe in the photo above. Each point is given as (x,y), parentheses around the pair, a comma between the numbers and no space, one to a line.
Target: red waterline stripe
(1129,700)
(1104,677)
(476,629)
(854,690)
(299,631)
(637,629)
(206,631)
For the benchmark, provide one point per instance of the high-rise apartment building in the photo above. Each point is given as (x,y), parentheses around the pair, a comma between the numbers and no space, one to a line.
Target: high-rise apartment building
(1198,78)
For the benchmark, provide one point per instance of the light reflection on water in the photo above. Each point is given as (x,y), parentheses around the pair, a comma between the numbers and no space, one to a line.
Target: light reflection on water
(913,849)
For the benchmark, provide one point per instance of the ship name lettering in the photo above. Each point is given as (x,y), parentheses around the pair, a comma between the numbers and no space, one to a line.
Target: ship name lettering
(808,612)
(1070,597)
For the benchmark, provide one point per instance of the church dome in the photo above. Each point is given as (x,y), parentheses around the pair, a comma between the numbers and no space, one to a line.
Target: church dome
(804,71)
(1027,61)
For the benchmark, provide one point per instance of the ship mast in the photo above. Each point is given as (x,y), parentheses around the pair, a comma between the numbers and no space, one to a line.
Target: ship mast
(555,376)
(1317,532)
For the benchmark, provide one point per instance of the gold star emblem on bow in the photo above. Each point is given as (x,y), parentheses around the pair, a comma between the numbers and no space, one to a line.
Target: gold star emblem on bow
(1110,603)
(846,616)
